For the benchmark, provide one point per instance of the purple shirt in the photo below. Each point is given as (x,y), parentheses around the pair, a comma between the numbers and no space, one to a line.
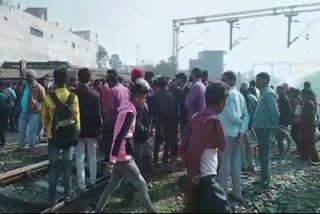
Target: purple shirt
(195,100)
(116,95)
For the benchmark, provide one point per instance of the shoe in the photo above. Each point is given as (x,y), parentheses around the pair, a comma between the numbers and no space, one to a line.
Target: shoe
(266,186)
(51,203)
(251,169)
(68,199)
(256,183)
(19,149)
(91,186)
(236,199)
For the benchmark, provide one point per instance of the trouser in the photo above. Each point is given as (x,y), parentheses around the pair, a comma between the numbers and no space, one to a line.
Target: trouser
(247,156)
(11,120)
(39,130)
(139,148)
(166,130)
(295,134)
(209,197)
(91,145)
(54,164)
(130,172)
(2,134)
(107,138)
(183,127)
(28,127)
(280,139)
(264,145)
(231,165)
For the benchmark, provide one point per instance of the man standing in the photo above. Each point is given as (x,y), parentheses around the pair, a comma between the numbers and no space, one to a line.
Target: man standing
(9,91)
(266,118)
(49,109)
(195,100)
(235,120)
(32,97)
(199,148)
(165,108)
(4,106)
(91,122)
(285,113)
(17,104)
(116,94)
(182,92)
(248,149)
(253,90)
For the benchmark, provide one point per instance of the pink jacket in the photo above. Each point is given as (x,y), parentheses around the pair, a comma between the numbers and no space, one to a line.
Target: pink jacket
(124,129)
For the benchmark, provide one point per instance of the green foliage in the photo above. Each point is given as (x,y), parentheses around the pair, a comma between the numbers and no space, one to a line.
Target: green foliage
(163,68)
(115,62)
(103,57)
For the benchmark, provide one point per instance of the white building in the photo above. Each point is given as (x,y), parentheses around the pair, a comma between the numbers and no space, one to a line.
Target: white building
(24,36)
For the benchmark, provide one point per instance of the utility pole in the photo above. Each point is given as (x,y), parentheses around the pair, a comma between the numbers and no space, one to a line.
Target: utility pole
(231,23)
(290,20)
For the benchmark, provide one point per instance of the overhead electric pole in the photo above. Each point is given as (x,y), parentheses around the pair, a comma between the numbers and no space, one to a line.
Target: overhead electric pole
(288,11)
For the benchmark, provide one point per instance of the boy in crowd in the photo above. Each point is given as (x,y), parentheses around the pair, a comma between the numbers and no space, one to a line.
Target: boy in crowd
(199,148)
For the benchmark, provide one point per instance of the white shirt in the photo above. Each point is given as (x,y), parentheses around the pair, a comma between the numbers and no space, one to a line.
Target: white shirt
(209,162)
(235,117)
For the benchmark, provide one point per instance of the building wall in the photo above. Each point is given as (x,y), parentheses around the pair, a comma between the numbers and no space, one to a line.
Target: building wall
(41,13)
(211,61)
(56,44)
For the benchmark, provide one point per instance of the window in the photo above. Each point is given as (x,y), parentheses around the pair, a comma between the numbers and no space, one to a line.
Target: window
(73,45)
(36,32)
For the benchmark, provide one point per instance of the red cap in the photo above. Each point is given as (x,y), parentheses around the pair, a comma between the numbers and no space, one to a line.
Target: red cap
(137,73)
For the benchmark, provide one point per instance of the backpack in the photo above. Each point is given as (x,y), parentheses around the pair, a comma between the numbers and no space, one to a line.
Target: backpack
(64,124)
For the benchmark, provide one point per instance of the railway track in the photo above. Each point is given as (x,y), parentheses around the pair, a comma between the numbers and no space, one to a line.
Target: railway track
(24,190)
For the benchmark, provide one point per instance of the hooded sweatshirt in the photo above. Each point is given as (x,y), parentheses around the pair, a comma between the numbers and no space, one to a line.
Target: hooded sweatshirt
(122,148)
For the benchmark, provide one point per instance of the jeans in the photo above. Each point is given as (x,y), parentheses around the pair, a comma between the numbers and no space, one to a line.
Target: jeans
(231,165)
(28,127)
(264,146)
(54,164)
(247,156)
(209,197)
(295,134)
(166,130)
(39,130)
(91,145)
(130,172)
(138,154)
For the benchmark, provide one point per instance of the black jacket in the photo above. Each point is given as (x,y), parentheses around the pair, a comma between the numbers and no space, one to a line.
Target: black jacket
(141,134)
(90,111)
(180,96)
(285,110)
(165,105)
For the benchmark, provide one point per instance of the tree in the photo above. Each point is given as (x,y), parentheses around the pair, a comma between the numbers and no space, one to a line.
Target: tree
(115,62)
(166,68)
(103,57)
(148,67)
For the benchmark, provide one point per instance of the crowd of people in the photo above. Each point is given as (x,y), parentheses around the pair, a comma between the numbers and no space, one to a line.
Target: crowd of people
(212,127)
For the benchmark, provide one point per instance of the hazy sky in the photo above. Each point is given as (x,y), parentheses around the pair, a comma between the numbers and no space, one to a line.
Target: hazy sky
(124,25)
